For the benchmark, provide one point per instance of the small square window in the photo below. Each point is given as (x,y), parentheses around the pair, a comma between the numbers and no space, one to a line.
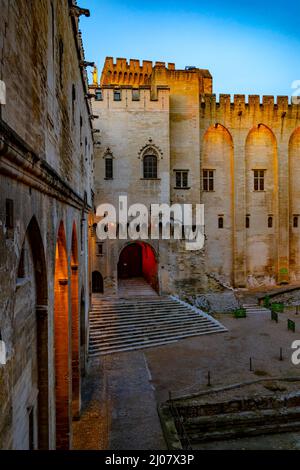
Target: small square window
(98,95)
(181,179)
(208,180)
(117,95)
(135,95)
(259,180)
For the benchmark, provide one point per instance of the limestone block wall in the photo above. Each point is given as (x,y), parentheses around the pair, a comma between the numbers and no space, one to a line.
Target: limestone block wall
(46,104)
(264,136)
(128,130)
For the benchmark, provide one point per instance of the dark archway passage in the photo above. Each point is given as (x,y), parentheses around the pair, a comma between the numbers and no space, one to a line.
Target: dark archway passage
(131,262)
(139,260)
(97,283)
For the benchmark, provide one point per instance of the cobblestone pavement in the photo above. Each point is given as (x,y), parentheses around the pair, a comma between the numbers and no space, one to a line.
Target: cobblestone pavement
(119,409)
(122,413)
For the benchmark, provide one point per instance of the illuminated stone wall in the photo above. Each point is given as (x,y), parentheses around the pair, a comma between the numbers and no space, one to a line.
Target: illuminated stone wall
(46,148)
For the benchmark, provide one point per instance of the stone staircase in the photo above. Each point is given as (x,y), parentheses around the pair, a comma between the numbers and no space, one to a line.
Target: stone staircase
(252,307)
(123,325)
(135,287)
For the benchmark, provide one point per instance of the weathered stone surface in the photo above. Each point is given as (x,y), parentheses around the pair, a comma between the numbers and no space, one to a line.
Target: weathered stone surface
(46,148)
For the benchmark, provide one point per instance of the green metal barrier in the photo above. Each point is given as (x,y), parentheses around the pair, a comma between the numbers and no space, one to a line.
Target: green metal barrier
(277,307)
(240,313)
(291,325)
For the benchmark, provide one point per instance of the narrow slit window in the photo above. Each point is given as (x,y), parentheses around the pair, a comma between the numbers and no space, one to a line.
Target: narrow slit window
(220,221)
(295,221)
(247,223)
(21,267)
(9,215)
(270,221)
(109,168)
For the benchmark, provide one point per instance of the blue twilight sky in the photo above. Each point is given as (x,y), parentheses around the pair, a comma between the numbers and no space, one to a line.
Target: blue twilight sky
(249,47)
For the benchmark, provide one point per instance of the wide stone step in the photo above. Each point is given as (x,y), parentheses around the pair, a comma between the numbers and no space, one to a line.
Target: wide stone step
(142,333)
(246,430)
(146,337)
(141,318)
(122,326)
(137,312)
(132,305)
(148,324)
(145,328)
(146,344)
(207,423)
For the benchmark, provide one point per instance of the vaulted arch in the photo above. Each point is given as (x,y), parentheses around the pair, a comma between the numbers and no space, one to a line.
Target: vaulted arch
(217,169)
(261,203)
(32,282)
(294,203)
(62,347)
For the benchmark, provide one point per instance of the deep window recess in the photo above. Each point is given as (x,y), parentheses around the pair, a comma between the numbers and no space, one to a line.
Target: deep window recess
(117,95)
(135,95)
(221,222)
(98,95)
(270,221)
(21,267)
(9,215)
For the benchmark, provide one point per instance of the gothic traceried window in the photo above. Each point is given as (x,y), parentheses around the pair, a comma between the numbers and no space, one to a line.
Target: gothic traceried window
(150,166)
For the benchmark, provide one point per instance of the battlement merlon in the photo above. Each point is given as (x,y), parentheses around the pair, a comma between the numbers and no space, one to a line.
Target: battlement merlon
(124,72)
(240,103)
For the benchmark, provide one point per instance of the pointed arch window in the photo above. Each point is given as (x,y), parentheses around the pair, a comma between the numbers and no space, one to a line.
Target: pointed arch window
(150,166)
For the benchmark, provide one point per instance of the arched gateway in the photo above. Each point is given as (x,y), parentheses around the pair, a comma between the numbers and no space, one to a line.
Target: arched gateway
(139,260)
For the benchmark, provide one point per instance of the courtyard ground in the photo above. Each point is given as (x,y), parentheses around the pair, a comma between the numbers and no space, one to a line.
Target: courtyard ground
(121,391)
